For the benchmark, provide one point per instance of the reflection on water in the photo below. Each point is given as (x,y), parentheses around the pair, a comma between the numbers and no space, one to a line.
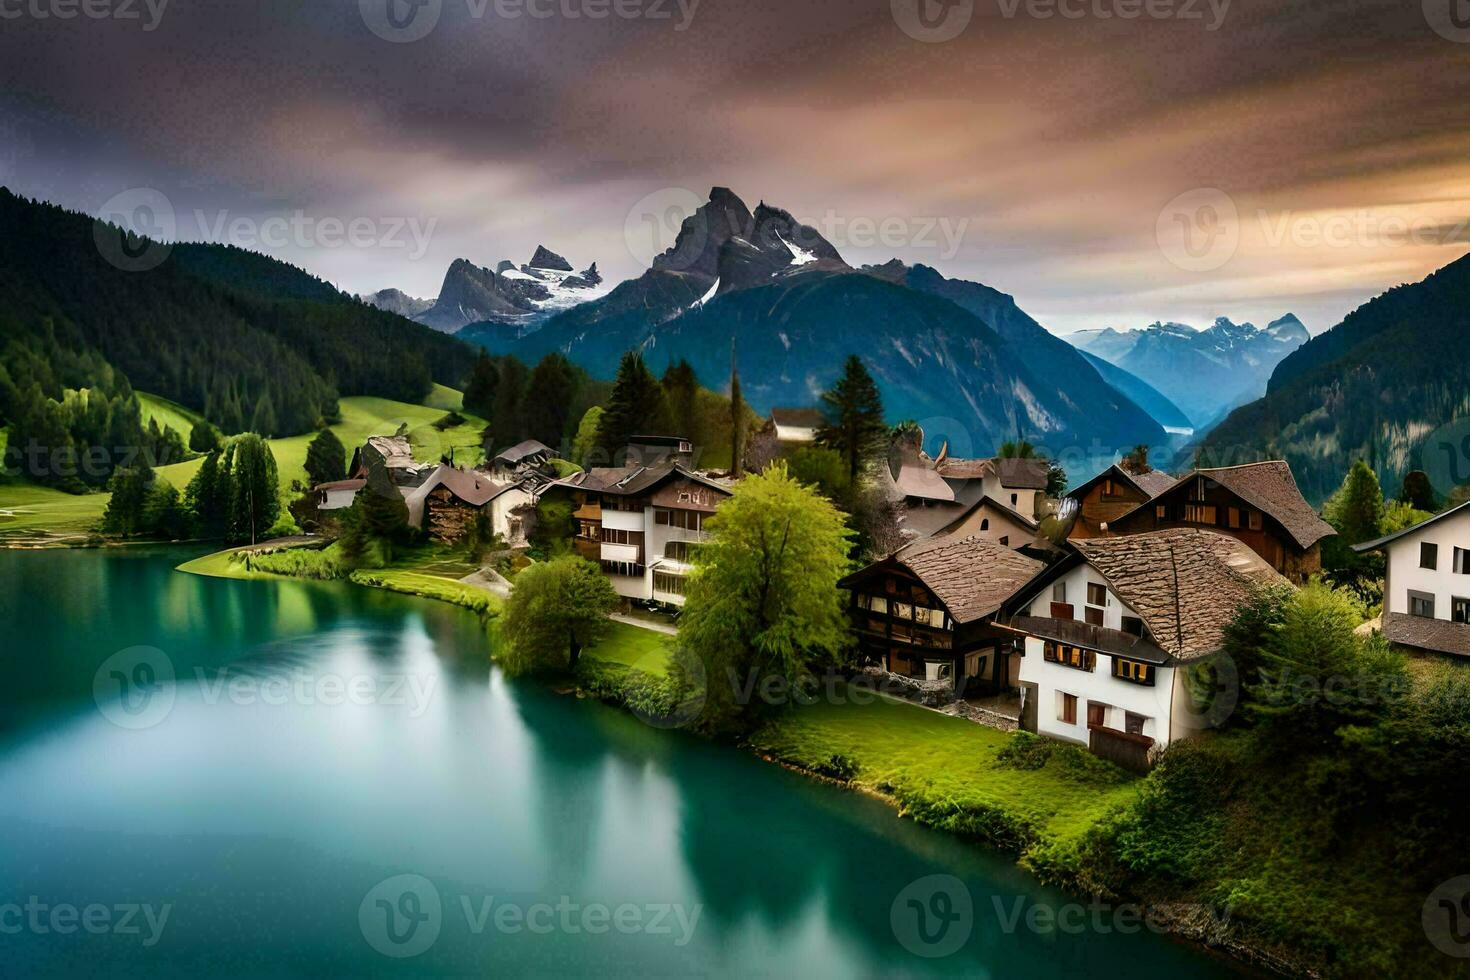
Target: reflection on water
(323,738)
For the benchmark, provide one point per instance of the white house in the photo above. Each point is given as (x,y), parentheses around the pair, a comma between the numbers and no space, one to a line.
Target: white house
(1109,631)
(1426,586)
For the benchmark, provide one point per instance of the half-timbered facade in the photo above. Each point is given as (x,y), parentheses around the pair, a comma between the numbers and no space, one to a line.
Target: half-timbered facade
(924,611)
(1257,503)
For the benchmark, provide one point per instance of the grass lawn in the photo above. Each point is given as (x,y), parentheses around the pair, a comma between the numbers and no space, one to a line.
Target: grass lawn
(445,398)
(631,646)
(947,763)
(363,417)
(27,510)
(170,415)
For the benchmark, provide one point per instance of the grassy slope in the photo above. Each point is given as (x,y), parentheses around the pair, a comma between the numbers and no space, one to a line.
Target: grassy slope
(632,646)
(26,509)
(918,754)
(363,417)
(170,415)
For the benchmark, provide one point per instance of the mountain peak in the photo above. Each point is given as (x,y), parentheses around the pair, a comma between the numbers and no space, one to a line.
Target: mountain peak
(545,258)
(696,249)
(1289,328)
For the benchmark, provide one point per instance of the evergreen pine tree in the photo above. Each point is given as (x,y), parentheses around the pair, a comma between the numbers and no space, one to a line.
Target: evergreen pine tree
(853,417)
(326,459)
(737,418)
(1356,510)
(681,389)
(479,390)
(636,406)
(255,501)
(547,411)
(1418,493)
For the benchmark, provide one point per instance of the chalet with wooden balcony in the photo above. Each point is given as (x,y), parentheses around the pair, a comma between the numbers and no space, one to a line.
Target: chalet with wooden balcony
(1257,503)
(641,524)
(925,611)
(447,503)
(1111,494)
(1112,631)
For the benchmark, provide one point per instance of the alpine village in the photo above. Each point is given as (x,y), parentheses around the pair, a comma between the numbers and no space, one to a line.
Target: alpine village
(1174,671)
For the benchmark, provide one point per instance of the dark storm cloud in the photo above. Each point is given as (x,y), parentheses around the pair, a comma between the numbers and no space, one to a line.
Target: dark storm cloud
(1050,134)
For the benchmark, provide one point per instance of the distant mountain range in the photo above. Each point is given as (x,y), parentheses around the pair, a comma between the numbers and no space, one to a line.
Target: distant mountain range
(1206,372)
(519,297)
(1389,384)
(959,356)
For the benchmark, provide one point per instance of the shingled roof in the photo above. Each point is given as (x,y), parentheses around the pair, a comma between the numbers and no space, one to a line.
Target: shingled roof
(971,576)
(473,488)
(1423,633)
(1014,473)
(1150,484)
(1270,488)
(1184,583)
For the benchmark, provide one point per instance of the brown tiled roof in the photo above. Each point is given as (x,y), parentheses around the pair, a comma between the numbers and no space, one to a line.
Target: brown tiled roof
(1022,474)
(521,450)
(633,480)
(1184,583)
(963,469)
(473,488)
(1439,635)
(971,576)
(1153,483)
(1271,487)
(341,485)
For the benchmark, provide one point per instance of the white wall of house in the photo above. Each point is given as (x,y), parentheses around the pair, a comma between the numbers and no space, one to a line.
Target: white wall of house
(502,519)
(1406,574)
(337,499)
(1054,680)
(1095,686)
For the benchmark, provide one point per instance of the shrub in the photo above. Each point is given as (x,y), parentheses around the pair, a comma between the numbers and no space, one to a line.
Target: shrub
(1026,751)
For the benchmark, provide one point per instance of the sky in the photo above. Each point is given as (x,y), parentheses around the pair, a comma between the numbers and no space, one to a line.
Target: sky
(1106,162)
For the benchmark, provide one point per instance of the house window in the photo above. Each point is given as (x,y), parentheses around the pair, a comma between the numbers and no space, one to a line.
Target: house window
(1161,512)
(1421,604)
(1199,513)
(1232,517)
(1069,656)
(1462,562)
(1093,616)
(1133,724)
(1067,715)
(671,584)
(1059,592)
(1199,488)
(1107,488)
(1014,499)
(1132,625)
(874,603)
(1254,520)
(902,610)
(984,523)
(1097,594)
(927,617)
(1428,555)
(1097,714)
(1133,671)
(1005,540)
(1460,610)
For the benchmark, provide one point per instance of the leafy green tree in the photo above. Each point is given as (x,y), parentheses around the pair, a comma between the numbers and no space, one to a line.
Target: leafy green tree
(1317,676)
(326,459)
(636,406)
(203,437)
(556,610)
(1398,516)
(207,497)
(1418,492)
(550,392)
(163,512)
(853,417)
(480,389)
(1017,449)
(763,601)
(822,468)
(255,495)
(1356,510)
(551,533)
(129,486)
(584,444)
(1136,460)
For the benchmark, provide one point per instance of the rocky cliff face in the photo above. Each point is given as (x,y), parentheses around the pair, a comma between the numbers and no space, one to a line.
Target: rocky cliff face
(521,296)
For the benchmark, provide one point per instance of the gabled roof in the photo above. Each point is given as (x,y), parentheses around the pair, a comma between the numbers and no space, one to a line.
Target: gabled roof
(922,482)
(634,480)
(1377,543)
(521,450)
(396,451)
(1006,512)
(1014,473)
(473,488)
(1149,484)
(1184,583)
(341,485)
(971,576)
(1271,489)
(1423,633)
